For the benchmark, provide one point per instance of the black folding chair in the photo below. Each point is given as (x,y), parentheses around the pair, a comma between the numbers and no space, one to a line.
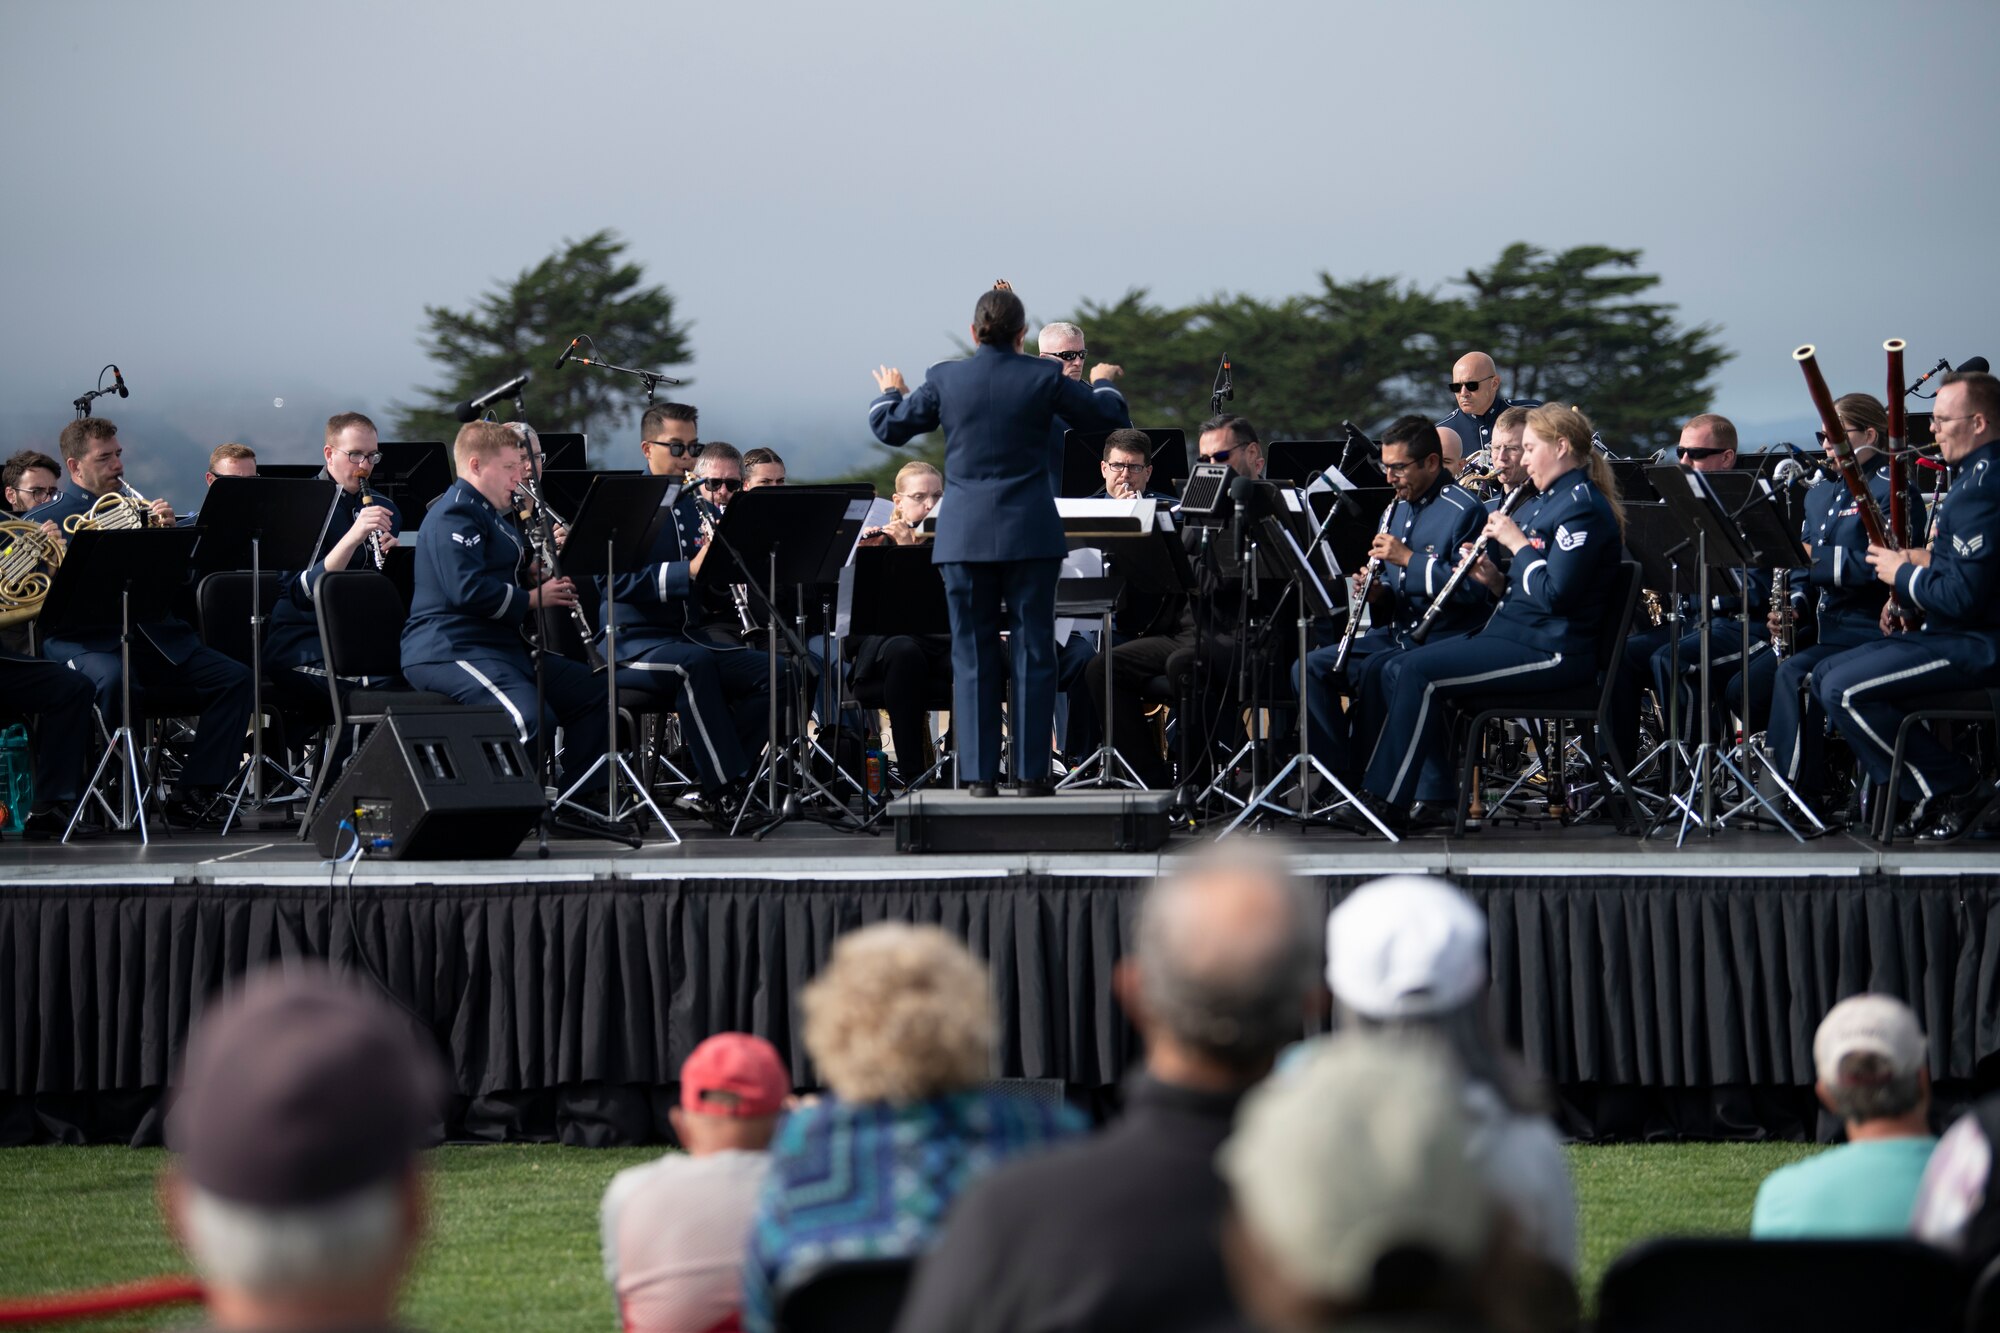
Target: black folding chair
(361,615)
(1561,705)
(1958,706)
(1733,1285)
(861,1296)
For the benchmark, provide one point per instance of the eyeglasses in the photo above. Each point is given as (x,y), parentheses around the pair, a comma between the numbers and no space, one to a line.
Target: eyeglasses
(722,483)
(1129,467)
(1219,456)
(1696,455)
(1077,355)
(1939,419)
(1396,469)
(29,492)
(1468,386)
(370,459)
(692,449)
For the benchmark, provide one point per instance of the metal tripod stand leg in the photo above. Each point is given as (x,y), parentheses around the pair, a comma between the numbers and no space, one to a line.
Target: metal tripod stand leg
(1753,756)
(616,809)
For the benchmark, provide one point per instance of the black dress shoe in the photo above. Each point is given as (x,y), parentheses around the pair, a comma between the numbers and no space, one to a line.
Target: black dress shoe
(1429,816)
(44,822)
(1035,787)
(983,790)
(194,808)
(1949,818)
(1351,816)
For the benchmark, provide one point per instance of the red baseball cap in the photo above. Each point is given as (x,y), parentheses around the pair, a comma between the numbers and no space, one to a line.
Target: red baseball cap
(746,1068)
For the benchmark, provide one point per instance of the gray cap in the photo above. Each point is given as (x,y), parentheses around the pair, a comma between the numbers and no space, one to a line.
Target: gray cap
(1404,947)
(1359,1151)
(302,1088)
(1879,1025)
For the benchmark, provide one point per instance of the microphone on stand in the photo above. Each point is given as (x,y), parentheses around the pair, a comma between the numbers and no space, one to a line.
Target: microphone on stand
(568,351)
(469,411)
(118,377)
(1225,387)
(1974,365)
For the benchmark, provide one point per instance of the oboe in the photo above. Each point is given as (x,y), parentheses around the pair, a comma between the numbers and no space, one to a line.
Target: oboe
(1436,608)
(1367,587)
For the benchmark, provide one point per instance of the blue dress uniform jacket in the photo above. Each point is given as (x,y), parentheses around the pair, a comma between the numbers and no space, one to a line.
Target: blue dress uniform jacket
(468,600)
(1542,638)
(1867,690)
(1003,456)
(217,687)
(291,639)
(1476,433)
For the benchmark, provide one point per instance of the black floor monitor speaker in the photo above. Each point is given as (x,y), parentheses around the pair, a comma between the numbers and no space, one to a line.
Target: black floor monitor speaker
(434,784)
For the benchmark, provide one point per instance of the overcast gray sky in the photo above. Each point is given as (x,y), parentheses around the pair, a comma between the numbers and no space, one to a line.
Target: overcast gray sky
(245,202)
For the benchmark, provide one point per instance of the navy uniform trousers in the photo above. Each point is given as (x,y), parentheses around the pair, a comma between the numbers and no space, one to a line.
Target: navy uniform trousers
(572,698)
(1796,735)
(1412,760)
(213,685)
(974,591)
(61,700)
(721,695)
(1867,691)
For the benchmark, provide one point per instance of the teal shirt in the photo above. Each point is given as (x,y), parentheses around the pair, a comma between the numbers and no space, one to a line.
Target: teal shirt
(1855,1190)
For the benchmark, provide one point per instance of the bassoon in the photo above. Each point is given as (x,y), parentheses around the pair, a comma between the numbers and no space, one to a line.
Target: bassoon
(1840,452)
(1899,476)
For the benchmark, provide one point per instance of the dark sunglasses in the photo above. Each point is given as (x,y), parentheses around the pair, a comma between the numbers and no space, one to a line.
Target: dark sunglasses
(1077,355)
(676,448)
(1696,455)
(1219,456)
(723,483)
(1469,385)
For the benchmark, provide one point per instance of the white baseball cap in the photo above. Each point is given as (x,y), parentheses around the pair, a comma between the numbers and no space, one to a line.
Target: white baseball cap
(1405,946)
(1873,1024)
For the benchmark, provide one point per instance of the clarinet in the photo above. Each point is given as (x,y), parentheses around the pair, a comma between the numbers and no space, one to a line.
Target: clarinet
(1367,587)
(1436,608)
(375,551)
(545,552)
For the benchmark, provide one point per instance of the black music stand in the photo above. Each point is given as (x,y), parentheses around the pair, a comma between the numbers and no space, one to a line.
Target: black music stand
(1083,450)
(615,529)
(1719,543)
(791,533)
(890,590)
(413,473)
(567,450)
(1152,561)
(1301,462)
(1772,535)
(103,574)
(239,517)
(283,472)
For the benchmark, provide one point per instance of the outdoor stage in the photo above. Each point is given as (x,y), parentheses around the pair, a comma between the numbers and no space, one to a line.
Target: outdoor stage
(1664,993)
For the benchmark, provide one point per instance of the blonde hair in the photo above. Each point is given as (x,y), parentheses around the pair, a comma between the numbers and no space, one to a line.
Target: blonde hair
(483,439)
(1559,423)
(899,1013)
(916,468)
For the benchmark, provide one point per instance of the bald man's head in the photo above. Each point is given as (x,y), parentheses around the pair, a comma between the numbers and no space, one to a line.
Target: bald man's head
(1453,450)
(1474,382)
(1225,953)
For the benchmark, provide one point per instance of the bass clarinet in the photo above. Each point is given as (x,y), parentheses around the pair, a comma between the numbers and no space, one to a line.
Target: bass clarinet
(1436,608)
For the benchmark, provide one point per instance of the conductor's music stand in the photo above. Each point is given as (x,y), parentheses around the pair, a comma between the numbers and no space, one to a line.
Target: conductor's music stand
(893,590)
(100,578)
(615,528)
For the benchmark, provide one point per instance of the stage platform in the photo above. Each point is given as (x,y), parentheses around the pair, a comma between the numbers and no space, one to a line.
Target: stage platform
(1662,992)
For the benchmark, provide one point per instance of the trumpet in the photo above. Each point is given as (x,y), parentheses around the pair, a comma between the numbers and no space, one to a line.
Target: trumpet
(545,552)
(113,511)
(29,558)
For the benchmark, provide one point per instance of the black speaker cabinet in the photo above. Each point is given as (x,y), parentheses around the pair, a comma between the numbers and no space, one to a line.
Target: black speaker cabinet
(435,784)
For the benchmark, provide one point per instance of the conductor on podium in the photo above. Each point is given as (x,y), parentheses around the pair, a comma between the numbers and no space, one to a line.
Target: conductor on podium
(999,538)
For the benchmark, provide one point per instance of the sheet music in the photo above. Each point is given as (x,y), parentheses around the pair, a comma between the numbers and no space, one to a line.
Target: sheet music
(873,514)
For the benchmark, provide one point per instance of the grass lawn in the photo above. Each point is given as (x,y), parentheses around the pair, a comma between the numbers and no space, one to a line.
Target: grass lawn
(515,1244)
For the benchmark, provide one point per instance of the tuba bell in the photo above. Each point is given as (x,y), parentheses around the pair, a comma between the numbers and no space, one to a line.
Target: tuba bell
(29,558)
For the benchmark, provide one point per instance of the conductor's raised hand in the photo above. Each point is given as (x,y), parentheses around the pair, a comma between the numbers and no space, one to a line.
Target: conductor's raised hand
(1104,371)
(888,377)
(554,592)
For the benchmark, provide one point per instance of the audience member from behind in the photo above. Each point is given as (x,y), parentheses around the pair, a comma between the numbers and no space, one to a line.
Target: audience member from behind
(900,1025)
(1868,1056)
(675,1229)
(1120,1231)
(298,1190)
(1356,1201)
(1408,954)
